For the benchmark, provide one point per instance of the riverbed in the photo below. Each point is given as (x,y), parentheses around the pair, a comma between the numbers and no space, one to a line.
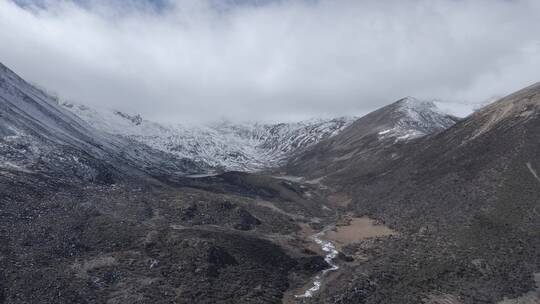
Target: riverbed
(331,253)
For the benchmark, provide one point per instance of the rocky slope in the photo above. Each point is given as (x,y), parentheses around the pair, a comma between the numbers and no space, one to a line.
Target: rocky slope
(465,201)
(223,145)
(371,140)
(211,242)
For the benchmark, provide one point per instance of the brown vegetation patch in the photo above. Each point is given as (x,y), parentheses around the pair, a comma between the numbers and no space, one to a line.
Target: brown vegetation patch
(358,229)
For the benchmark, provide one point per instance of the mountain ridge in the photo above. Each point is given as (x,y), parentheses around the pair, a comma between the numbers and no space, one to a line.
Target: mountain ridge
(39,135)
(372,139)
(251,146)
(222,145)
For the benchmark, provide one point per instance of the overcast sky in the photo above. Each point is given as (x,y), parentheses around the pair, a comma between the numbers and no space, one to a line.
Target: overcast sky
(192,60)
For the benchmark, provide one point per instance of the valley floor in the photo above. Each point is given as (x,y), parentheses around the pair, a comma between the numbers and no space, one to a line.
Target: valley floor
(232,238)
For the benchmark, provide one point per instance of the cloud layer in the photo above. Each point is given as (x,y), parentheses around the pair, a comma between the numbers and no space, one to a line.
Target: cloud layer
(271,60)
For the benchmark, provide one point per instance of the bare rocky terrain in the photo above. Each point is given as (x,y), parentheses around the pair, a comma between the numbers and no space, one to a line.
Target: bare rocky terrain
(464,202)
(130,243)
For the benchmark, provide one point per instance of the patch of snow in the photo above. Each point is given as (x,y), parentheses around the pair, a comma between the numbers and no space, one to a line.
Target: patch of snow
(12,166)
(533,172)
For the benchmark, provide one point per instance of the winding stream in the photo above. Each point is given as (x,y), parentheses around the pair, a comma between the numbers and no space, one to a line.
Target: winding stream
(332,253)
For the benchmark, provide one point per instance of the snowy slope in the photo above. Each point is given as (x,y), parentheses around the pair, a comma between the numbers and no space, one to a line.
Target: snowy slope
(39,135)
(35,132)
(222,145)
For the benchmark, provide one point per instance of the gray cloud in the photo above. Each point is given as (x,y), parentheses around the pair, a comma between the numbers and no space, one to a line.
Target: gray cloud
(277,60)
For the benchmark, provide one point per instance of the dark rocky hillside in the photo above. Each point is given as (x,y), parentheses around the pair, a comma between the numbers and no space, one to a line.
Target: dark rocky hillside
(66,242)
(371,141)
(466,202)
(86,217)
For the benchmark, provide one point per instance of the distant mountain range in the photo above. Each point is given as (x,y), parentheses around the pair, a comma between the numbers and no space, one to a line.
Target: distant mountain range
(40,131)
(226,146)
(222,146)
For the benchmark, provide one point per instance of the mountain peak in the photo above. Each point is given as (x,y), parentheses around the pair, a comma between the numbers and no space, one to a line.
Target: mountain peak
(413,102)
(413,118)
(411,105)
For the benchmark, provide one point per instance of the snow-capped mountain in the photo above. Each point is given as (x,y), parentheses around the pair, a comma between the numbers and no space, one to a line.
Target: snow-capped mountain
(372,139)
(413,118)
(221,145)
(37,135)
